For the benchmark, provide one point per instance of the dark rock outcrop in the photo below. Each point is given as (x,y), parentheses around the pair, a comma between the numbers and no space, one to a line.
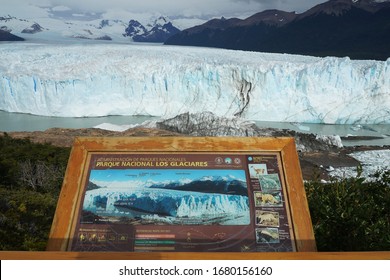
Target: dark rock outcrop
(35,28)
(158,32)
(208,124)
(7,36)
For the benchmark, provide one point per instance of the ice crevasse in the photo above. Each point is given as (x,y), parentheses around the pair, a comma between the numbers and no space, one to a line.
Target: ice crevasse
(113,79)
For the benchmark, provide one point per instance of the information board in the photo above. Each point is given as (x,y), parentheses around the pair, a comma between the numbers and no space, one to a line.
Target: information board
(135,196)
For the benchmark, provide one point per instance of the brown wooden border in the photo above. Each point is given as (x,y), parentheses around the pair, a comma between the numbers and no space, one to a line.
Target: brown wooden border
(71,188)
(26,255)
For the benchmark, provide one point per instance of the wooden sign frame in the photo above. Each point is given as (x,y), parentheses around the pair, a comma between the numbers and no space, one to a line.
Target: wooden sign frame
(87,152)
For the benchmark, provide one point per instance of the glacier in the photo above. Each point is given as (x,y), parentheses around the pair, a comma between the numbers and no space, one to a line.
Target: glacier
(96,79)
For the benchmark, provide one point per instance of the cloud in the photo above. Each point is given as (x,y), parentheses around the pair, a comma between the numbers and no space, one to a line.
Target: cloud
(189,8)
(226,8)
(169,7)
(61,9)
(284,5)
(25,8)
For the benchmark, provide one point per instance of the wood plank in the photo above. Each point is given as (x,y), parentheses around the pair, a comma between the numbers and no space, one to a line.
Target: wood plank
(52,255)
(297,200)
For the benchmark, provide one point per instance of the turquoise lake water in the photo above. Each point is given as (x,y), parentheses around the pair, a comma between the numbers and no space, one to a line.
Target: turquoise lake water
(25,122)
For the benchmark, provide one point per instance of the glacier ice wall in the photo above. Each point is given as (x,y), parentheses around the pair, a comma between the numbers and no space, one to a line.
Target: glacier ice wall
(176,204)
(114,79)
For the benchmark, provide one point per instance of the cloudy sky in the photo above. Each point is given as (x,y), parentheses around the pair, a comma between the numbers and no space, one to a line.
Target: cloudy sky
(188,8)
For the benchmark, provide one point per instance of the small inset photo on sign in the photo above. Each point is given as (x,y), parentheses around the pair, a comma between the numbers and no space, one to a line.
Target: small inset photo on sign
(257,196)
(272,199)
(267,218)
(269,182)
(256,170)
(267,235)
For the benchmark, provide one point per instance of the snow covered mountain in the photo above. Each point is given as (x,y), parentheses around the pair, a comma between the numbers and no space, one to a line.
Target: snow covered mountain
(54,29)
(135,28)
(73,81)
(157,32)
(35,28)
(154,29)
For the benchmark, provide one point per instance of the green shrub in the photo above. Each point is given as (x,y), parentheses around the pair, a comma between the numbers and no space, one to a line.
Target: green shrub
(25,219)
(351,214)
(31,176)
(38,167)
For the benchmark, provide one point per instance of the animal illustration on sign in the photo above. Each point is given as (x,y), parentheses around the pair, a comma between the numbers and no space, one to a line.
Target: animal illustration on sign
(269,182)
(267,218)
(268,198)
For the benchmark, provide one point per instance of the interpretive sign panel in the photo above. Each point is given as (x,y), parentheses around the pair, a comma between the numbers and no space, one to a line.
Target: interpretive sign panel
(181,199)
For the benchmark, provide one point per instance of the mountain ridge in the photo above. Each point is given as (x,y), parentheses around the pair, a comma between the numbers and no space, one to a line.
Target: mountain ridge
(333,28)
(5,35)
(158,32)
(155,29)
